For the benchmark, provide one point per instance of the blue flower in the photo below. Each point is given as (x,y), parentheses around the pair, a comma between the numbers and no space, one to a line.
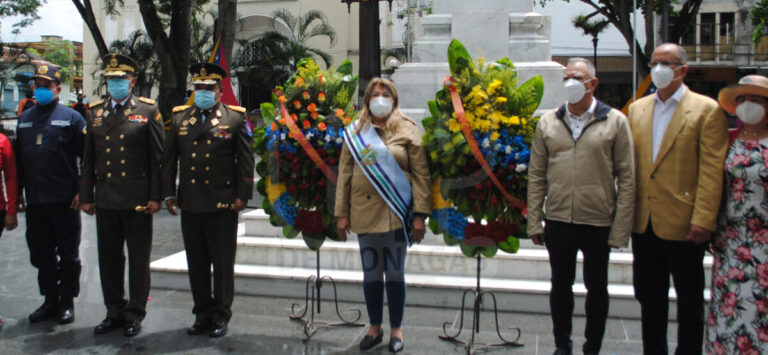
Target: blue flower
(451,222)
(284,209)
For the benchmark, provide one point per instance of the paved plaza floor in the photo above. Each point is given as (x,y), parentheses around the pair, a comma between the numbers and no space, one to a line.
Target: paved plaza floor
(260,325)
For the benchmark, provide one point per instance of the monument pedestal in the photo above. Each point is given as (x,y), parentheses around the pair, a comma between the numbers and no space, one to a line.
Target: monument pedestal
(490,28)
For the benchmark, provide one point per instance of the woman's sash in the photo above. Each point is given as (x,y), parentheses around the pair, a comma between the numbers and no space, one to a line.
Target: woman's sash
(382,170)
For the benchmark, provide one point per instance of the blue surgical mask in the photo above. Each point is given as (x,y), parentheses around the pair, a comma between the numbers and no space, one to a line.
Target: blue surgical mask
(43,95)
(119,89)
(85,101)
(205,99)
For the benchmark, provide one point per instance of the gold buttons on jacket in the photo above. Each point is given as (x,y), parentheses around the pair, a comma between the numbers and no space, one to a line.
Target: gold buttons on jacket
(109,175)
(107,137)
(194,143)
(194,155)
(207,168)
(108,163)
(122,136)
(122,161)
(208,141)
(122,149)
(192,181)
(108,150)
(207,182)
(122,174)
(192,168)
(207,155)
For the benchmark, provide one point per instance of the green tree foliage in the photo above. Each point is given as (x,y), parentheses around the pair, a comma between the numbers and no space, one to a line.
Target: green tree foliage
(305,27)
(759,16)
(61,53)
(139,48)
(27,9)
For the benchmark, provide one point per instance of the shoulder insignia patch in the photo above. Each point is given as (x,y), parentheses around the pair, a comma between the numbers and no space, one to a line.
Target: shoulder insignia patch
(237,108)
(97,103)
(147,100)
(180,108)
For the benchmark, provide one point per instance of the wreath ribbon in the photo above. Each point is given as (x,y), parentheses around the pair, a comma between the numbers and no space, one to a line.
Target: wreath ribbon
(302,139)
(458,107)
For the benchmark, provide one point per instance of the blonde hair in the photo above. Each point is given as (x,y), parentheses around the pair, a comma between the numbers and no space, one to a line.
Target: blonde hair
(394,119)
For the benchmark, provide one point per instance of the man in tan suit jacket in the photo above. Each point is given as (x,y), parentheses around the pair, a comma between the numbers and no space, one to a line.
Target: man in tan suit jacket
(680,139)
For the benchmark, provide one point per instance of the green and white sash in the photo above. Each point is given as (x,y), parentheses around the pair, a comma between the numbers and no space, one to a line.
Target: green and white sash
(382,170)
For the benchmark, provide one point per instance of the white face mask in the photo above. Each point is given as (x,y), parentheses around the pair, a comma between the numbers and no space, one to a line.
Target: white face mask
(574,90)
(380,106)
(750,112)
(662,76)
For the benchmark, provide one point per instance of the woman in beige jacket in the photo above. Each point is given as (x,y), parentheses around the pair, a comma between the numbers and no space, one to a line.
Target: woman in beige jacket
(361,209)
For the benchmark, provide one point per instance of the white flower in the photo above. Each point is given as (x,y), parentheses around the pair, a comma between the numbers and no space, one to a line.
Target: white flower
(339,140)
(327,138)
(521,167)
(486,143)
(508,149)
(309,135)
(282,136)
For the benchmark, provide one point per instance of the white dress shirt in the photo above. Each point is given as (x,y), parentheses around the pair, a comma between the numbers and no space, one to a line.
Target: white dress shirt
(662,114)
(122,102)
(577,122)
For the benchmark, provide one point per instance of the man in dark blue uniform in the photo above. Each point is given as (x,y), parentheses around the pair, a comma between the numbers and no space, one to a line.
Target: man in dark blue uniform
(49,140)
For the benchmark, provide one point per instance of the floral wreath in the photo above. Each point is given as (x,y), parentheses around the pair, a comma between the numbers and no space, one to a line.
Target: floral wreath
(477,141)
(299,149)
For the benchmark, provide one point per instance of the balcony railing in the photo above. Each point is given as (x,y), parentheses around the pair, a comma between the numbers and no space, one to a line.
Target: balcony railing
(727,52)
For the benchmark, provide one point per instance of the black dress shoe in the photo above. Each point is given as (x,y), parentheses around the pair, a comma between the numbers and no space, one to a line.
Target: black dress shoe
(395,344)
(66,316)
(370,341)
(219,329)
(108,325)
(44,312)
(132,328)
(198,328)
(559,351)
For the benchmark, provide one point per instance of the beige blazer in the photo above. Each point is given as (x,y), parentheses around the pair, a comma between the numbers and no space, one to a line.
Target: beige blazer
(684,185)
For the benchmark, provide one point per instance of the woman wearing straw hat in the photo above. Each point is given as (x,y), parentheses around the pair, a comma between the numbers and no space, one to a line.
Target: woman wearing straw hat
(738,312)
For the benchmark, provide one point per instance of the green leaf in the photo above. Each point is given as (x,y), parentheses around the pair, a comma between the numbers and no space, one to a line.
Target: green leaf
(468,250)
(314,242)
(261,187)
(345,68)
(506,63)
(268,113)
(449,240)
(433,109)
(433,225)
(290,232)
(304,62)
(511,245)
(489,252)
(532,91)
(459,58)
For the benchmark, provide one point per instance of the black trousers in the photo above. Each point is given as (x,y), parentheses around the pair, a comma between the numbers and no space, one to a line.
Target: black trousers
(654,260)
(563,241)
(211,239)
(53,238)
(114,230)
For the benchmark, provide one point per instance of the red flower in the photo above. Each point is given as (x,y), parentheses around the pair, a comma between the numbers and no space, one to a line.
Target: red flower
(305,95)
(292,188)
(720,349)
(312,107)
(719,281)
(306,124)
(314,115)
(762,334)
(743,343)
(479,186)
(474,230)
(321,126)
(309,222)
(740,159)
(754,224)
(494,200)
(321,97)
(762,274)
(762,305)
(738,188)
(297,104)
(731,233)
(745,254)
(735,274)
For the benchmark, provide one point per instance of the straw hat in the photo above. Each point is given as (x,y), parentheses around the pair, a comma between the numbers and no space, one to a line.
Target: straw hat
(748,85)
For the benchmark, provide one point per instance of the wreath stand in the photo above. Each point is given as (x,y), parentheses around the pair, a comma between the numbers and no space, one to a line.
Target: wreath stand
(471,346)
(315,283)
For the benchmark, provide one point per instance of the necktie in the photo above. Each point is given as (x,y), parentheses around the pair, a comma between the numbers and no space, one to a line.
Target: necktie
(118,108)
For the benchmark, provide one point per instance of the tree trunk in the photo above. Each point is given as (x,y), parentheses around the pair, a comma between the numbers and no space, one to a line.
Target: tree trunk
(173,50)
(226,26)
(86,12)
(370,50)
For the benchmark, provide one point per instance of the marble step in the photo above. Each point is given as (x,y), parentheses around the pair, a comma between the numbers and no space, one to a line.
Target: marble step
(437,290)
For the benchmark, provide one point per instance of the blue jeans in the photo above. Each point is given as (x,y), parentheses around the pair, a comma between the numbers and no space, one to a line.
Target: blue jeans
(383,257)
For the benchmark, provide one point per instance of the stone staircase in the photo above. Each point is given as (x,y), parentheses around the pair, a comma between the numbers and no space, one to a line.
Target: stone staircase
(269,264)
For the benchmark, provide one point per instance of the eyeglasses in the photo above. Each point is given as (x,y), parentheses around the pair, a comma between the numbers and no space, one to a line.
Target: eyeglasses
(665,63)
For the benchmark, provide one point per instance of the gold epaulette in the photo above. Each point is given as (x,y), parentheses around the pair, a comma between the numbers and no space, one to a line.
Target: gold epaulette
(147,100)
(237,108)
(97,103)
(180,108)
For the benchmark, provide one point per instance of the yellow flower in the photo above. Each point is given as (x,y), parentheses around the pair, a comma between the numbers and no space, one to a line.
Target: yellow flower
(477,96)
(438,202)
(515,120)
(494,136)
(274,191)
(454,125)
(501,100)
(494,86)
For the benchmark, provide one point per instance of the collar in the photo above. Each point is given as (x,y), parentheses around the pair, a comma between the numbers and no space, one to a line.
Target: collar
(115,102)
(590,111)
(677,96)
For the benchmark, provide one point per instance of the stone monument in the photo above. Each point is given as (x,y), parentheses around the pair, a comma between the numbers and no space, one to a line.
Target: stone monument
(491,28)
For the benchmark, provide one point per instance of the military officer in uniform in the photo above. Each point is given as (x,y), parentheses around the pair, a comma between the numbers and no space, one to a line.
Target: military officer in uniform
(123,151)
(49,140)
(212,145)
